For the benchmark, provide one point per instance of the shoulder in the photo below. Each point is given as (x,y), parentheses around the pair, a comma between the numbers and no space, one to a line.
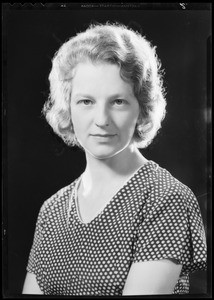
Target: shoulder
(164,187)
(57,201)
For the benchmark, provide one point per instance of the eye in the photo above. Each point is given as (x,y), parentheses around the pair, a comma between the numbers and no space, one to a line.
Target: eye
(120,102)
(85,102)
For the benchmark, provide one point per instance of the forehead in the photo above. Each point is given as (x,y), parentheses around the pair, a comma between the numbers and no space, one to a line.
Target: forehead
(99,78)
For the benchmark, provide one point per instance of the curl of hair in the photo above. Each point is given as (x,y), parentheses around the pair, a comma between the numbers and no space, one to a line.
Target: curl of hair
(139,65)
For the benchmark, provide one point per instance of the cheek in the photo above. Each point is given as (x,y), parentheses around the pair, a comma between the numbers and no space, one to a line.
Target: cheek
(78,126)
(80,123)
(74,118)
(131,119)
(127,125)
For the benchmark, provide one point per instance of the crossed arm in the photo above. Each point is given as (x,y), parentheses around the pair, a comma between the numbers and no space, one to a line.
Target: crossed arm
(144,278)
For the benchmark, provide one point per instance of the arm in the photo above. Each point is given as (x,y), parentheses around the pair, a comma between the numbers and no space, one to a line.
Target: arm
(31,286)
(152,277)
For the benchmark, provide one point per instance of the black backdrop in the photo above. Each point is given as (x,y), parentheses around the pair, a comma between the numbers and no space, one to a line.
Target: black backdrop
(36,162)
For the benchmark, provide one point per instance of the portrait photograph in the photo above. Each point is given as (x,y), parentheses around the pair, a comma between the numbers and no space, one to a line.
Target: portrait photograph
(106,114)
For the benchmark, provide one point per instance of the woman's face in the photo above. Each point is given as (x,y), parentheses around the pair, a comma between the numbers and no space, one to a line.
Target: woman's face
(104,109)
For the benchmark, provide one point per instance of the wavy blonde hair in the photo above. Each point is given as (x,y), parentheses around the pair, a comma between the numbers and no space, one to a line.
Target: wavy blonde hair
(116,44)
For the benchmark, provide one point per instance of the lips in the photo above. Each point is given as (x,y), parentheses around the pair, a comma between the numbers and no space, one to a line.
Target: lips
(103,135)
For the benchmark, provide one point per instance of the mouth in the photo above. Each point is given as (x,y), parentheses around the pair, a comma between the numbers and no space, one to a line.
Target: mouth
(103,135)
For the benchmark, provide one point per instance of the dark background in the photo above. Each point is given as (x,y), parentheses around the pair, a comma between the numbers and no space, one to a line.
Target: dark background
(37,164)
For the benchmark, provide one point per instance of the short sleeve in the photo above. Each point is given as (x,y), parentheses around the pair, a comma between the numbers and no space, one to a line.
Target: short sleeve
(36,263)
(172,228)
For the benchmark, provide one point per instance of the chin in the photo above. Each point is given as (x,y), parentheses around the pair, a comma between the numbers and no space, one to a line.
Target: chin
(104,154)
(101,155)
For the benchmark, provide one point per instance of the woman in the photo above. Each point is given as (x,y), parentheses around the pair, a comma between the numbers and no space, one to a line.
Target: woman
(126,226)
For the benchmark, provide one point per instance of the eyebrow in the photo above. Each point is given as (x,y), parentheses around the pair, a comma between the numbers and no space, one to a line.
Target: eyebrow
(83,95)
(117,96)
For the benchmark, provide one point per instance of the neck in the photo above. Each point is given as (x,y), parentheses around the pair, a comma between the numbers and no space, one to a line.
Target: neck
(122,165)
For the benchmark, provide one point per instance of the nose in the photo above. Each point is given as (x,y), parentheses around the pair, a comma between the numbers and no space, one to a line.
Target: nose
(102,116)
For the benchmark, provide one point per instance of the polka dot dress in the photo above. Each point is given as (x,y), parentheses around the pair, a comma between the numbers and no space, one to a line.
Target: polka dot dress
(152,217)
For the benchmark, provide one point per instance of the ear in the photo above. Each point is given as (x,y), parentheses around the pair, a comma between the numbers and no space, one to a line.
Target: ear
(143,124)
(139,119)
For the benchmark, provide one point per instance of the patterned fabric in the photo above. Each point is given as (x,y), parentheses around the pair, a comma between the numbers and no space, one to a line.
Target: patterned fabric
(152,217)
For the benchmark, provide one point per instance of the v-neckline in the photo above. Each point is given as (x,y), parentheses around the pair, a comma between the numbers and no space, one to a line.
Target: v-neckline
(104,208)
